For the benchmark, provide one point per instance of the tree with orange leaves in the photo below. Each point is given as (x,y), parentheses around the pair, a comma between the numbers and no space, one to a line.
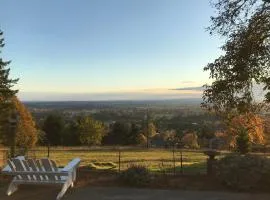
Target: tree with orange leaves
(26,134)
(190,140)
(251,122)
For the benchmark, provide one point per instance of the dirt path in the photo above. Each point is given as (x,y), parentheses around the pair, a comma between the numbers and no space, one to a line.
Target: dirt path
(114,193)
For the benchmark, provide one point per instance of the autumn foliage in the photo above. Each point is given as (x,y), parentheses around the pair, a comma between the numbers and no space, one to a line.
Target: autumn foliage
(190,140)
(254,125)
(26,135)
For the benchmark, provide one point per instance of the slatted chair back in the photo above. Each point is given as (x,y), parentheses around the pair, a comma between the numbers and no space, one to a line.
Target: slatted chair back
(27,168)
(20,167)
(48,168)
(13,168)
(55,168)
(33,165)
(39,166)
(53,164)
(11,165)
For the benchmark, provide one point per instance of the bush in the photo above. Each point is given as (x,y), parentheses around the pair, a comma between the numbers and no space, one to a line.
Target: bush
(242,141)
(244,172)
(135,175)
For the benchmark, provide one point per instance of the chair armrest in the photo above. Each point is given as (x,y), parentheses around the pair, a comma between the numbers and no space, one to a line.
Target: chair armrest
(71,165)
(20,157)
(6,169)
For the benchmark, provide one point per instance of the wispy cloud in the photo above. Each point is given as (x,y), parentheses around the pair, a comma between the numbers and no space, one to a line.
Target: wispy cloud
(200,88)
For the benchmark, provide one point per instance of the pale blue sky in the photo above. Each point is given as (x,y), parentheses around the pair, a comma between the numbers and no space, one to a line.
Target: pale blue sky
(101,46)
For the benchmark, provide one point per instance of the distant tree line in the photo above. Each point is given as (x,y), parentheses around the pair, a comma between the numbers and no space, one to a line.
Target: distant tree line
(85,130)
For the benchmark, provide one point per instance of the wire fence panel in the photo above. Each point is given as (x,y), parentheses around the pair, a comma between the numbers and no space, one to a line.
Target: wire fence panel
(166,161)
(116,159)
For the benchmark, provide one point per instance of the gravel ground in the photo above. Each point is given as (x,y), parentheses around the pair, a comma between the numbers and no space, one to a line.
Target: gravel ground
(117,193)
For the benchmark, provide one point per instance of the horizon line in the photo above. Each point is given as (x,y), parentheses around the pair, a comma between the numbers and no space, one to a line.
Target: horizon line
(114,100)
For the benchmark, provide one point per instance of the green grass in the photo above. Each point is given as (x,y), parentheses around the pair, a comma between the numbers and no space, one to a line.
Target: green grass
(157,160)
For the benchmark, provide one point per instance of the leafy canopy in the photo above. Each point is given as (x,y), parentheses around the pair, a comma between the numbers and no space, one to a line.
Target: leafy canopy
(26,135)
(246,26)
(53,127)
(91,131)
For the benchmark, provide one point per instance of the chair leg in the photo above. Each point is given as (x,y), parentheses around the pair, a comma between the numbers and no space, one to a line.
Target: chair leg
(64,189)
(74,175)
(13,187)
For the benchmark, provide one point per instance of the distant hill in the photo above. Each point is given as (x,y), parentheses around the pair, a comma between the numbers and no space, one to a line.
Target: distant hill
(109,104)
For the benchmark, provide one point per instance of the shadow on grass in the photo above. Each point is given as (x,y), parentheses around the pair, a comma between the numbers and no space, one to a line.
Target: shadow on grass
(195,168)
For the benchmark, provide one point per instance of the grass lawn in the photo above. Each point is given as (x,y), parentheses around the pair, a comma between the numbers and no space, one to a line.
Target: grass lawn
(157,160)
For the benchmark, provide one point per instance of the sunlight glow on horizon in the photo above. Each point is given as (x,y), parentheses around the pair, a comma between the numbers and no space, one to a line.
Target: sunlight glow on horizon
(161,94)
(103,48)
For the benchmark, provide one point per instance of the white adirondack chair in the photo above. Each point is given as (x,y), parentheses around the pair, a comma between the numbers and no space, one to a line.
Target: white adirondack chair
(43,171)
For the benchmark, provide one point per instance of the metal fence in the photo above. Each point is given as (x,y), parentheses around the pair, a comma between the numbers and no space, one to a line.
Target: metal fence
(170,161)
(157,160)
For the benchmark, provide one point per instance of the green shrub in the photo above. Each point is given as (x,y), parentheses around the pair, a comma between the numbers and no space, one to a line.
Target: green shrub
(135,175)
(244,172)
(242,141)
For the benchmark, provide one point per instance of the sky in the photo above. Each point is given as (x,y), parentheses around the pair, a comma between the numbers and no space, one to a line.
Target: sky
(108,49)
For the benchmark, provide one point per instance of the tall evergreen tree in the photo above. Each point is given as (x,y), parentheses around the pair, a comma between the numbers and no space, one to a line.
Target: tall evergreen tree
(242,141)
(119,134)
(6,92)
(54,127)
(6,83)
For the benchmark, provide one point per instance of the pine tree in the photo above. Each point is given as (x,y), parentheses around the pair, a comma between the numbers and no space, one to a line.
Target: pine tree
(54,127)
(6,91)
(243,142)
(6,83)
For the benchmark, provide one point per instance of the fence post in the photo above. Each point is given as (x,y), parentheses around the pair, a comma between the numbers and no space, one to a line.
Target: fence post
(174,159)
(48,150)
(119,159)
(181,160)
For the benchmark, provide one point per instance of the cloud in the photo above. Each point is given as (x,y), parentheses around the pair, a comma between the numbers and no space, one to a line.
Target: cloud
(189,88)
